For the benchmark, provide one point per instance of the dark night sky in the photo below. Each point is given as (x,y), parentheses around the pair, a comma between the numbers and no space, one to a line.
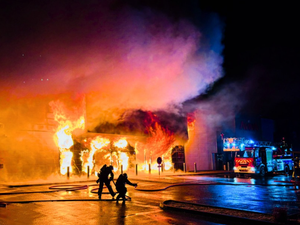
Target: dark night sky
(261,47)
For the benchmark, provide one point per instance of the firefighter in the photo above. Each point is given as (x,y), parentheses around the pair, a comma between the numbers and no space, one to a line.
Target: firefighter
(296,168)
(106,175)
(120,186)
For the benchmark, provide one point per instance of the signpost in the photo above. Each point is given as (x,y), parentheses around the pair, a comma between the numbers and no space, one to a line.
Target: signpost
(159,160)
(1,163)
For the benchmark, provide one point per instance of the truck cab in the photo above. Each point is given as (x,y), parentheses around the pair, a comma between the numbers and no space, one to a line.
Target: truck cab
(245,161)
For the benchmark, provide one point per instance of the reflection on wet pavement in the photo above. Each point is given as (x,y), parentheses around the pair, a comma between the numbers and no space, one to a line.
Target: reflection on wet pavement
(253,194)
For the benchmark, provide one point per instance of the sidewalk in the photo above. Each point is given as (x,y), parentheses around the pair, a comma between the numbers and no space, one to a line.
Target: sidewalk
(154,177)
(153,182)
(234,215)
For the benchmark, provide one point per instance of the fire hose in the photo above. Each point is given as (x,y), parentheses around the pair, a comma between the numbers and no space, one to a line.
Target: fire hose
(57,188)
(69,187)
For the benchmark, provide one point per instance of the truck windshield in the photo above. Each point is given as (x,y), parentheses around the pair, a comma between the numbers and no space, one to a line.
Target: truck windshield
(245,154)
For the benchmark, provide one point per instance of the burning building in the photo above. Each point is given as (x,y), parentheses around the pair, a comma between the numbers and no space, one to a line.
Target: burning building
(105,84)
(63,145)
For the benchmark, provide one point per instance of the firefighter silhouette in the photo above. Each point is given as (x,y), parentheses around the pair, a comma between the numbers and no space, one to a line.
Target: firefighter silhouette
(106,175)
(120,186)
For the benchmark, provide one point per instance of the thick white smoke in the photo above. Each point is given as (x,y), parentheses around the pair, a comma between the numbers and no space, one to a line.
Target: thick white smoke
(122,58)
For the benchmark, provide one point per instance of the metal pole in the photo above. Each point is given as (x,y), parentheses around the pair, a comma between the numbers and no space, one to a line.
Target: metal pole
(149,168)
(88,171)
(228,167)
(184,168)
(121,169)
(111,151)
(195,167)
(110,157)
(68,172)
(136,169)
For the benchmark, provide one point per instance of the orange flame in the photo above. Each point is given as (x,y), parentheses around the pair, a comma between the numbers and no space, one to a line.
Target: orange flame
(65,161)
(87,156)
(159,144)
(124,160)
(122,143)
(63,136)
(122,157)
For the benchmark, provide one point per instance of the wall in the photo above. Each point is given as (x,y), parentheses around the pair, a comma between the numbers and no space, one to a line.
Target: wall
(27,148)
(201,143)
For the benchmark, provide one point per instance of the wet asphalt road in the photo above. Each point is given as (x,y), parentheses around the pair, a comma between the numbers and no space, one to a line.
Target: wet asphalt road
(50,206)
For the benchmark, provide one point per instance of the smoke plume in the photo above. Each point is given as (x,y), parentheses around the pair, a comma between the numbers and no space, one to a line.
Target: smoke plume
(119,57)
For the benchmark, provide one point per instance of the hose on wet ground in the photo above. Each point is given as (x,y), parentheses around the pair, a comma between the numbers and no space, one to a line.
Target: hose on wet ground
(57,188)
(186,184)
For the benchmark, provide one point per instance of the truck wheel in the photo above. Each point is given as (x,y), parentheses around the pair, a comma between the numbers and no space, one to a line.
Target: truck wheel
(262,171)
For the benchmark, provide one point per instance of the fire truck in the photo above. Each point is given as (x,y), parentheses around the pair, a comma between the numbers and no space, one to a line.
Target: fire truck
(258,157)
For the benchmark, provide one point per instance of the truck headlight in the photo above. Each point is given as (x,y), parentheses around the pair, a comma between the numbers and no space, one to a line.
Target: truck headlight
(252,169)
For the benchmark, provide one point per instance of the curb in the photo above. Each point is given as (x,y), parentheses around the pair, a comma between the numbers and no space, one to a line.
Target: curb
(227,214)
(199,173)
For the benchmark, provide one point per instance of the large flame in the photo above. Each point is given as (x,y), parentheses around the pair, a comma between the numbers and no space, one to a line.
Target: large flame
(158,144)
(122,157)
(87,157)
(124,160)
(114,152)
(122,143)
(65,161)
(63,136)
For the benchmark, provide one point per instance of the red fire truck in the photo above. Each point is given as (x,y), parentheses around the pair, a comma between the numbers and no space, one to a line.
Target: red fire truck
(258,157)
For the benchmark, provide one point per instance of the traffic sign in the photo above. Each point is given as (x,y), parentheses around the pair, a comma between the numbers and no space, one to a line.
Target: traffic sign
(159,160)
